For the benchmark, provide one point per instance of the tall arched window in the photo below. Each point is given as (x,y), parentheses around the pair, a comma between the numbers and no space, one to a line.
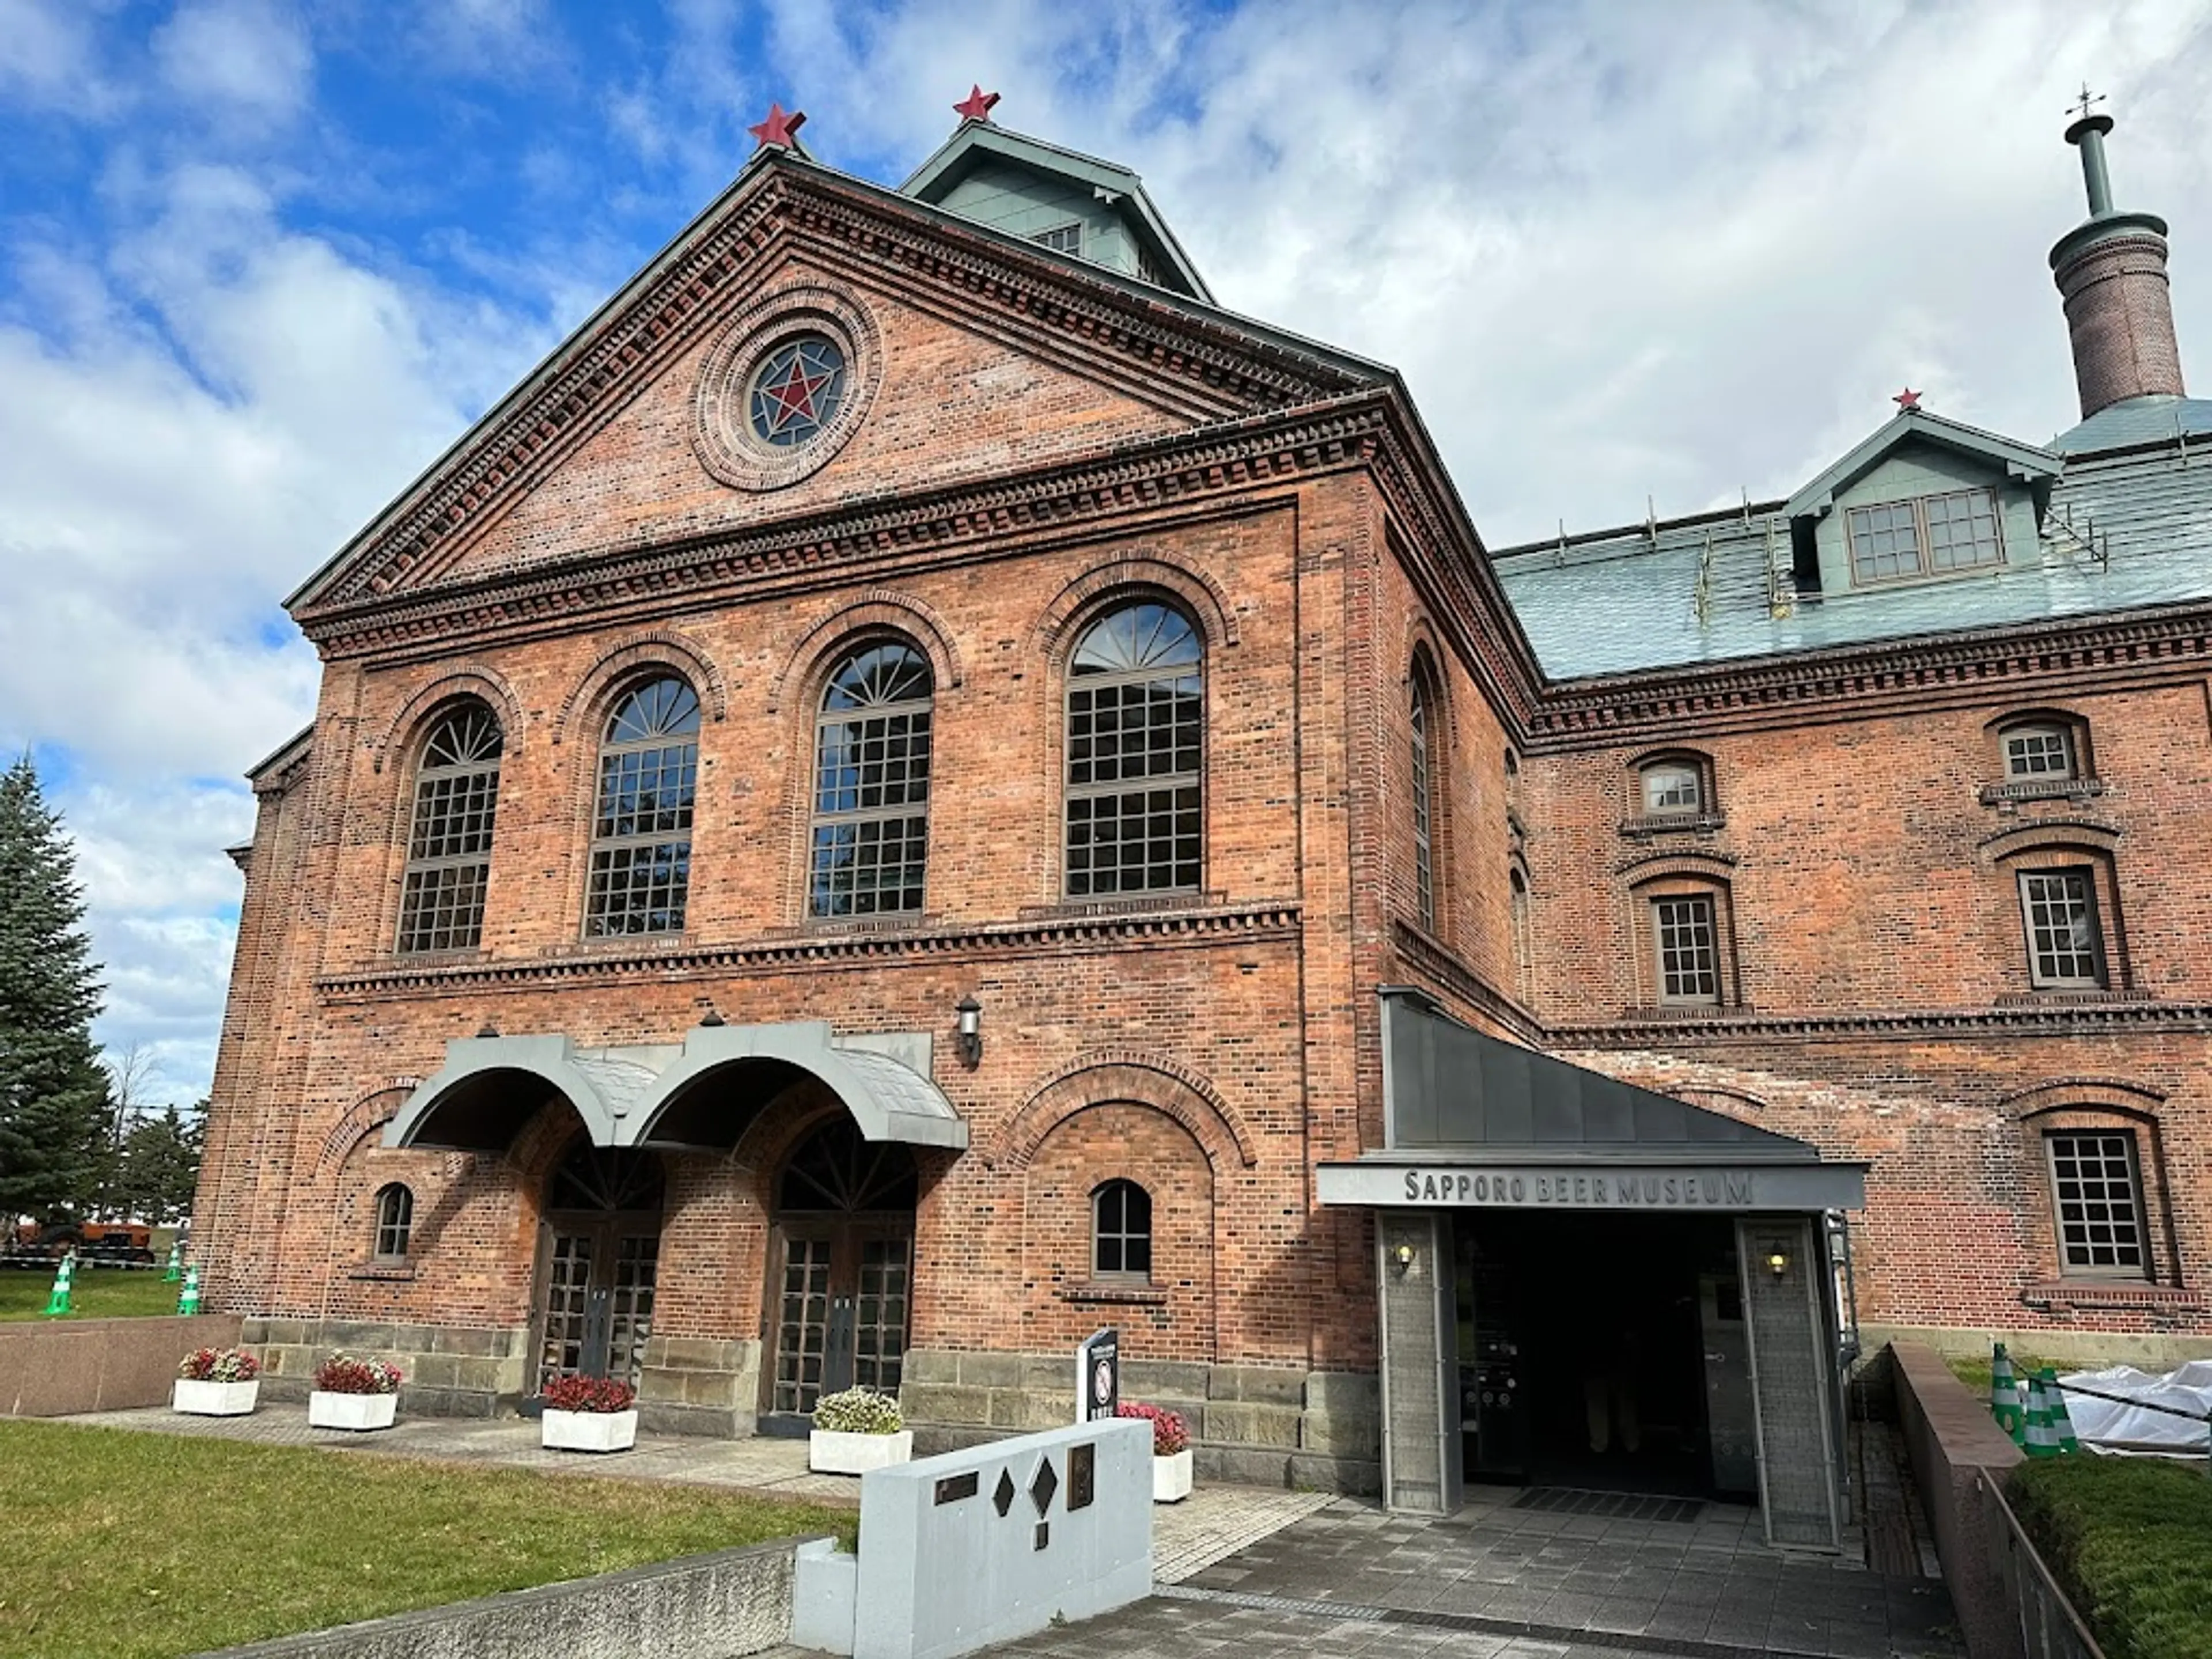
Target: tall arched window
(1424,864)
(1120,1231)
(1136,719)
(1524,959)
(871,784)
(449,843)
(395,1219)
(642,832)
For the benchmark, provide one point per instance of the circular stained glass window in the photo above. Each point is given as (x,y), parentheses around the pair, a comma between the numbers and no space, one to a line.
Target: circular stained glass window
(796,391)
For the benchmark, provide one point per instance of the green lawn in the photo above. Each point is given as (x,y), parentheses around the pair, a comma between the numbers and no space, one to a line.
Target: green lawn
(126,1545)
(2130,1540)
(99,1293)
(1975,1372)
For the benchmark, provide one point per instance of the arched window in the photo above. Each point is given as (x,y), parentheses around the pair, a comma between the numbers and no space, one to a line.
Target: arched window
(642,832)
(395,1216)
(1136,718)
(1524,962)
(2040,751)
(449,843)
(1673,788)
(871,784)
(1424,867)
(1120,1231)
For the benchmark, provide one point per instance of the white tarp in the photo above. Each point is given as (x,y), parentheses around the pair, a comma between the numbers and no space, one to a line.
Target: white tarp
(2188,1389)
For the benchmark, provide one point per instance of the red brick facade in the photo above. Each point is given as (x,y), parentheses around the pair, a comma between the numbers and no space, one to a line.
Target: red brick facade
(1038,445)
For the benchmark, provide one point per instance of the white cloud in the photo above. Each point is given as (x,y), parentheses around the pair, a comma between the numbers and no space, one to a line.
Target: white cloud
(237,60)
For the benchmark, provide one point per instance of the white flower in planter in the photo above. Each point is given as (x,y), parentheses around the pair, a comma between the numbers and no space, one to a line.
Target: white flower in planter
(354,1393)
(216,1382)
(855,1432)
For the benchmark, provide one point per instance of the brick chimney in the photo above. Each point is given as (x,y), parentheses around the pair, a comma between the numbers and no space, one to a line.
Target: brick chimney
(2111,270)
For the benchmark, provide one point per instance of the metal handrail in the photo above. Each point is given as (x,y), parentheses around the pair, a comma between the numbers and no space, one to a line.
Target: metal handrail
(2049,1628)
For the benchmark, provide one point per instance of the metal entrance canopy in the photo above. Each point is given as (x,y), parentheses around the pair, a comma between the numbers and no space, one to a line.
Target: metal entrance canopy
(1470,1120)
(663,1096)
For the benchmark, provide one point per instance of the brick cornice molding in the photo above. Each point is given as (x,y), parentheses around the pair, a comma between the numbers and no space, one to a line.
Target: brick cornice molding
(1964,669)
(2040,1017)
(816,952)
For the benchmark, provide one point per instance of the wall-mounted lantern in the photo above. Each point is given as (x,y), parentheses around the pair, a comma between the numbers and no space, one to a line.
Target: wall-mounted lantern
(971,1031)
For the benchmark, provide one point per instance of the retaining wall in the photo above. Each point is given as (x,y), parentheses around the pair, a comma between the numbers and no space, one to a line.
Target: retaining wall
(1955,1445)
(58,1367)
(700,1607)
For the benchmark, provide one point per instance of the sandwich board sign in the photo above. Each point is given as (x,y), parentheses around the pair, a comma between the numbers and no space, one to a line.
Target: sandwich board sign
(1098,1376)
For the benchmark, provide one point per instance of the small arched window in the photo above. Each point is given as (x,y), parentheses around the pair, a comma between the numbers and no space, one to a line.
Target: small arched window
(1136,722)
(1424,866)
(871,784)
(449,843)
(2040,751)
(1673,788)
(641,830)
(1120,1231)
(395,1218)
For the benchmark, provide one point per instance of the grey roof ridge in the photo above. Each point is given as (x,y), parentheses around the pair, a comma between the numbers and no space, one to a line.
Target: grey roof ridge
(283,752)
(1006,141)
(1588,540)
(1818,494)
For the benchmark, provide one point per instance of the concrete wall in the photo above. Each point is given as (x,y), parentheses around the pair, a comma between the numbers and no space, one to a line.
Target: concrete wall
(702,1607)
(1957,1449)
(1269,1426)
(53,1368)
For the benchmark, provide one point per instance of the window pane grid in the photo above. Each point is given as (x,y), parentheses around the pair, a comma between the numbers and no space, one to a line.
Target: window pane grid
(1884,541)
(2062,941)
(1061,239)
(1121,1231)
(449,838)
(641,868)
(871,754)
(2041,751)
(1425,889)
(1672,789)
(395,1216)
(1136,715)
(1962,531)
(443,907)
(1956,531)
(1689,965)
(2092,1182)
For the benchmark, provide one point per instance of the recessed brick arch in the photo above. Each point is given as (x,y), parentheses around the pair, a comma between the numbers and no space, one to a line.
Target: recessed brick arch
(371,1112)
(661,647)
(2084,1093)
(880,610)
(1135,574)
(472,679)
(1131,1078)
(2067,835)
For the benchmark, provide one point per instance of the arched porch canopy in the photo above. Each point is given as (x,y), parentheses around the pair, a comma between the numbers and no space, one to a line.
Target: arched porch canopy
(490,1087)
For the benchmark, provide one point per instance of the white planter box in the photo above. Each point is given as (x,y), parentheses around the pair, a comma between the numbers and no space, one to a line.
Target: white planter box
(588,1432)
(351,1411)
(1171,1478)
(214,1399)
(828,1452)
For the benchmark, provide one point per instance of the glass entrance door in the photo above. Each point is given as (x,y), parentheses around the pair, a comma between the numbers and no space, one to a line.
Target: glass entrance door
(842,1292)
(598,1265)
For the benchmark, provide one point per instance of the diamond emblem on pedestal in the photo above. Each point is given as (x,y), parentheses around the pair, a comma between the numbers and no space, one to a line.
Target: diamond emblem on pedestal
(1002,1495)
(1042,1487)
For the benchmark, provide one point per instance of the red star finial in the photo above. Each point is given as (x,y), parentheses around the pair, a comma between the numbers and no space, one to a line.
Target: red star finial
(976,106)
(780,130)
(1906,399)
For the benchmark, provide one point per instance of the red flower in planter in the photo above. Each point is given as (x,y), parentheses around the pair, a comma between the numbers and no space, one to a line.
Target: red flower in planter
(219,1365)
(1170,1434)
(343,1374)
(589,1393)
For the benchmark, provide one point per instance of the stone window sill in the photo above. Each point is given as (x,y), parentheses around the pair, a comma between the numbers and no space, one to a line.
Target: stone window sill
(2059,996)
(398,1272)
(1668,823)
(2007,795)
(896,921)
(1146,1296)
(2119,1294)
(1075,909)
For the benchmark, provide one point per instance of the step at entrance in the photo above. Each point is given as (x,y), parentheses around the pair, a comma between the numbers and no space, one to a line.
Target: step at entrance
(1608,1505)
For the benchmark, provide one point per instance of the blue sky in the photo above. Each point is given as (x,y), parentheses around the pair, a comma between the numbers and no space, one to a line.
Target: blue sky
(260,260)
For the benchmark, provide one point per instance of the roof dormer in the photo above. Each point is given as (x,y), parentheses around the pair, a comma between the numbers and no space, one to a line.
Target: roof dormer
(1924,499)
(1071,204)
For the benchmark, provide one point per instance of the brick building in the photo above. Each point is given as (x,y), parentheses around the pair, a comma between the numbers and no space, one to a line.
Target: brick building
(919,788)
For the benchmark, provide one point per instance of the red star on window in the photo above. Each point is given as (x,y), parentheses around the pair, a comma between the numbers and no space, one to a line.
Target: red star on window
(780,130)
(794,394)
(976,106)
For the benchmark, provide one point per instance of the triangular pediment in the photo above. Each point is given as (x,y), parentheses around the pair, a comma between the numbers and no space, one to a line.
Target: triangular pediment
(2003,457)
(971,355)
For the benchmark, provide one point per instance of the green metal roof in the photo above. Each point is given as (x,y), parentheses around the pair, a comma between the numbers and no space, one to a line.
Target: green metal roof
(2153,418)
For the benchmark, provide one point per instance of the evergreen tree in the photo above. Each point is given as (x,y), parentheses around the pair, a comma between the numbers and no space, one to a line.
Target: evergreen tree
(162,1165)
(54,1112)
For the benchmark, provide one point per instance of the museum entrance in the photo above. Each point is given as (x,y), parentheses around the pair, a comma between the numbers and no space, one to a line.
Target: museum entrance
(598,1249)
(1603,1351)
(844,1266)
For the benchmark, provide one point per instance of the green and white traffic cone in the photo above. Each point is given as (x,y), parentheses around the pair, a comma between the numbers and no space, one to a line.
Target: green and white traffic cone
(2040,1442)
(58,1298)
(175,1270)
(2004,1396)
(2062,1424)
(189,1301)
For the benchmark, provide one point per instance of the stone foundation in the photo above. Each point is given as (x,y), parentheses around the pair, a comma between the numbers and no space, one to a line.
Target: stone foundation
(1272,1425)
(451,1370)
(2083,1348)
(700,1385)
